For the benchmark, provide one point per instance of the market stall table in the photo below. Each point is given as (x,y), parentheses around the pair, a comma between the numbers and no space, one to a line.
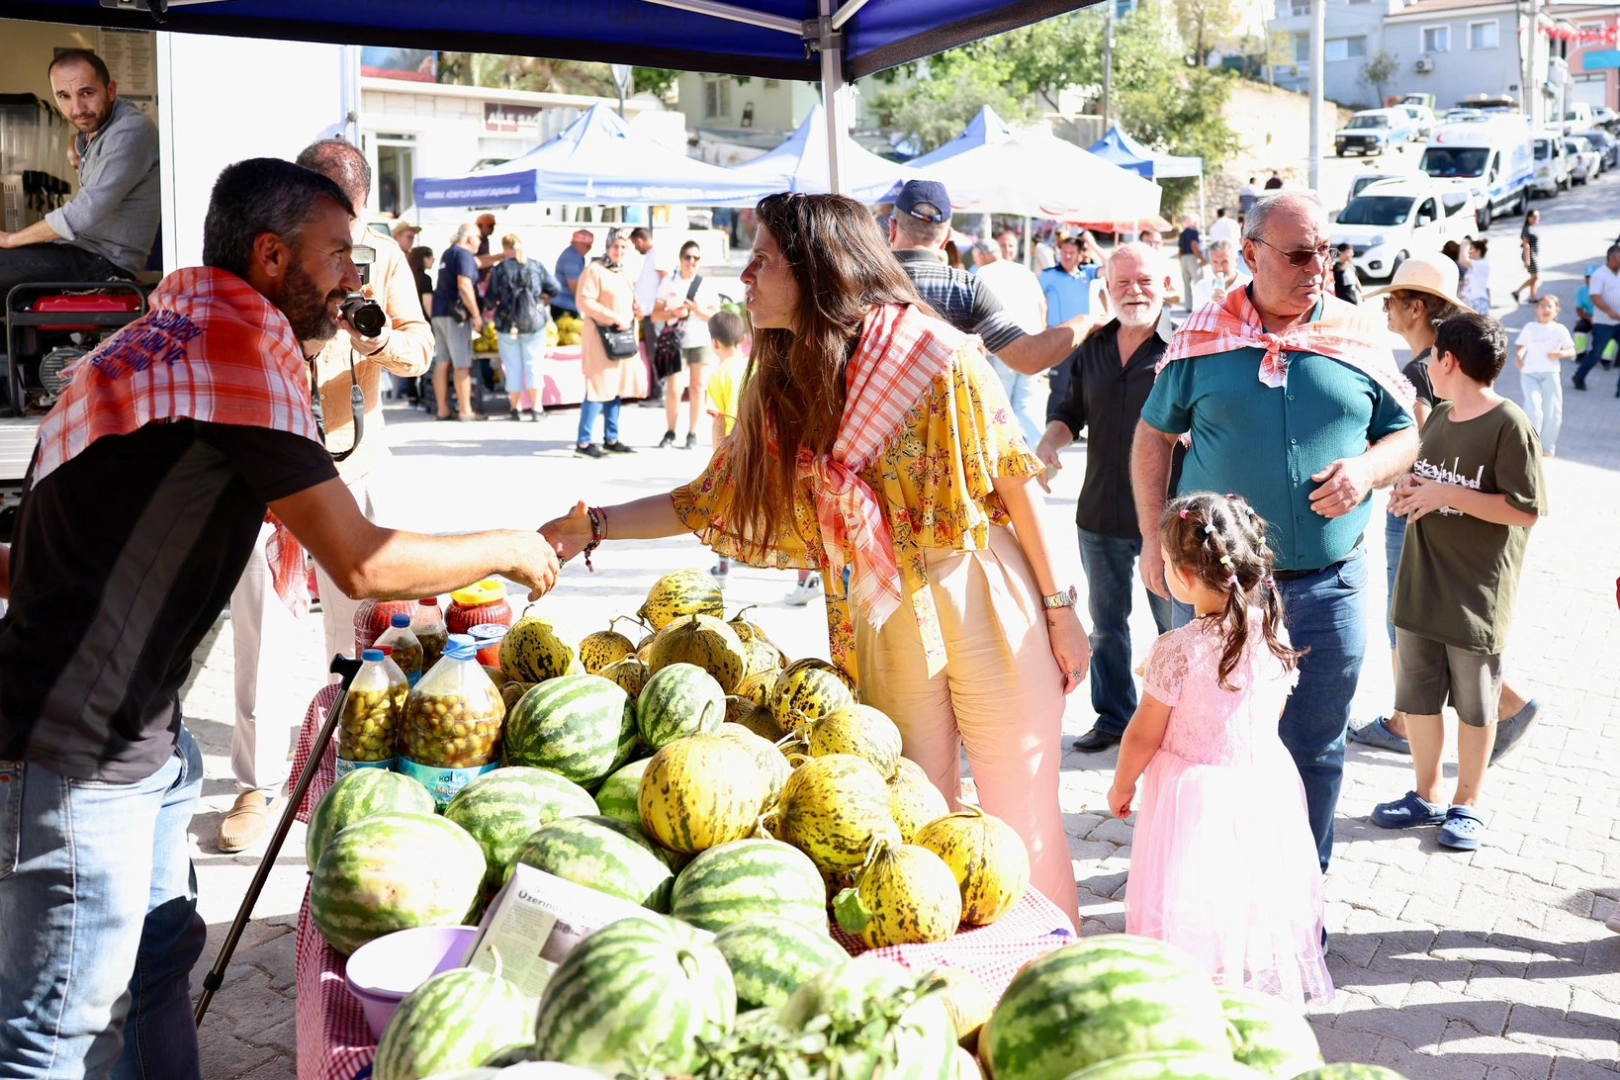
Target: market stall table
(334,1042)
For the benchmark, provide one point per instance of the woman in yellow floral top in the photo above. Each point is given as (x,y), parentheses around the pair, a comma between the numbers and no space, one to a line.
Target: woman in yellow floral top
(874,437)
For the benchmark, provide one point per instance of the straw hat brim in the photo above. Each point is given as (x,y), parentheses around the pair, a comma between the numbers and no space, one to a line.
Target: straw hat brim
(1447,297)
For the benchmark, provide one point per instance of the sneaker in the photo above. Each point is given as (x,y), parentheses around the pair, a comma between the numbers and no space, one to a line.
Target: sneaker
(1463,829)
(720,571)
(1378,734)
(617,447)
(1511,731)
(691,440)
(531,416)
(590,451)
(1408,812)
(804,592)
(667,441)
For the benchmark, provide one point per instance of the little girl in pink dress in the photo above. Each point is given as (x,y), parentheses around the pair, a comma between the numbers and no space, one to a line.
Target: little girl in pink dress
(1223,864)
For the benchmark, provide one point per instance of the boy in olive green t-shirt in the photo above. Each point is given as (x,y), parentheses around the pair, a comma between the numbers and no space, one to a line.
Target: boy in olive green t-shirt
(1469,503)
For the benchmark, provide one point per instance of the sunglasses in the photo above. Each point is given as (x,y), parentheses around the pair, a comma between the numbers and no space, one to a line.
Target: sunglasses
(691,258)
(1303,256)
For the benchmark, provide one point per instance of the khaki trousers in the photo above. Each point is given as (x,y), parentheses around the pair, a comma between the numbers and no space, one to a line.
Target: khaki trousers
(1000,696)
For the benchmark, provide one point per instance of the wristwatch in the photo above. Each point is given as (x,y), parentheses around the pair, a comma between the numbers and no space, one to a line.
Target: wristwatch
(1060,599)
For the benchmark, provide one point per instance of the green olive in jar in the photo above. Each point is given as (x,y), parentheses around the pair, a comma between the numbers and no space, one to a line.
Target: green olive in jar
(367,725)
(453,731)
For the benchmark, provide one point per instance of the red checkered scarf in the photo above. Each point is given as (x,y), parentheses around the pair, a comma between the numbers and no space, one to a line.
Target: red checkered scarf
(901,353)
(1344,332)
(212,349)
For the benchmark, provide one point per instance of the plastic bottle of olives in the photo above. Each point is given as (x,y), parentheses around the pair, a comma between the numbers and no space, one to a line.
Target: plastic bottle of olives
(371,710)
(428,626)
(451,732)
(407,647)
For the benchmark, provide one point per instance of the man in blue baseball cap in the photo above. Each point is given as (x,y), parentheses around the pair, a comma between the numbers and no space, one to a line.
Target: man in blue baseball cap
(918,229)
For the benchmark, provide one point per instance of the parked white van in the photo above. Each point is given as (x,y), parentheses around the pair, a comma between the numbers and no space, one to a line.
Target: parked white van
(1392,219)
(1492,154)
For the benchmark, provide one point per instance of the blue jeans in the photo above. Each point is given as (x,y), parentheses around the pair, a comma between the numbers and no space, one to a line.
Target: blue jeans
(589,411)
(1544,402)
(1020,389)
(1601,336)
(1394,544)
(99,928)
(1110,565)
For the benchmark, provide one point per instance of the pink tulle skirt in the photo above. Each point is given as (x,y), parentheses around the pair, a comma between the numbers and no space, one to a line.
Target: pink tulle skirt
(1223,865)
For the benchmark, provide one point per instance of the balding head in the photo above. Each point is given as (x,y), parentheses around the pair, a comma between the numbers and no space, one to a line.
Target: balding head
(1277,228)
(1135,285)
(343,164)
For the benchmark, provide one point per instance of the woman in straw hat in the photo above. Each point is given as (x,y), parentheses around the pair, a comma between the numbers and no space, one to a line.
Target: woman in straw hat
(1420,296)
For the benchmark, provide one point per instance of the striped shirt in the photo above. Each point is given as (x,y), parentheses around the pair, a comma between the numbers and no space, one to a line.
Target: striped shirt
(960,298)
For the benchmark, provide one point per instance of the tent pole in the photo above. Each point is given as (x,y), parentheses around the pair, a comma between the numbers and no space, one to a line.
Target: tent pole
(832,85)
(1029,248)
(1203,214)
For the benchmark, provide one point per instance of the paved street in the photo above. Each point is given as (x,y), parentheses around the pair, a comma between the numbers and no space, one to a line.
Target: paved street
(1493,965)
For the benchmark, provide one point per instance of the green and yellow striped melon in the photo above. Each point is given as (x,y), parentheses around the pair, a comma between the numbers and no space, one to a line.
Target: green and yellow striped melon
(969,1003)
(637,995)
(604,648)
(684,592)
(679,700)
(532,651)
(833,808)
(579,726)
(763,657)
(502,809)
(700,792)
(773,767)
(771,957)
(856,729)
(808,690)
(605,855)
(364,793)
(905,895)
(456,1020)
(756,687)
(746,878)
(704,641)
(913,799)
(630,674)
(988,858)
(1268,1035)
(620,794)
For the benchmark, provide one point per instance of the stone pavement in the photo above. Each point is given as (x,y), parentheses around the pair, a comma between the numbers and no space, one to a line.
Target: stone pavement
(1493,965)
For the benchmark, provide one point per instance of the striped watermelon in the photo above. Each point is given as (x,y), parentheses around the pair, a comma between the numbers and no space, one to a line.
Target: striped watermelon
(392,872)
(617,796)
(362,794)
(603,854)
(749,878)
(679,700)
(636,995)
(1168,1065)
(503,808)
(1268,1035)
(771,957)
(700,792)
(1101,998)
(456,1020)
(579,726)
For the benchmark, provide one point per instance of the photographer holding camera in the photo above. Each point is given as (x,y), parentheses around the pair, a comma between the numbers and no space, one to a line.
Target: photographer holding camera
(382,328)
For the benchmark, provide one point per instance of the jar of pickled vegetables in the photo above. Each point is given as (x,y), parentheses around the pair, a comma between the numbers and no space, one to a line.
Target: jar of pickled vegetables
(451,731)
(487,638)
(370,711)
(483,602)
(373,618)
(427,623)
(407,649)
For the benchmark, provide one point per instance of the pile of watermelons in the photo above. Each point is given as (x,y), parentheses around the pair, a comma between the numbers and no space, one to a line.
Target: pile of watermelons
(736,795)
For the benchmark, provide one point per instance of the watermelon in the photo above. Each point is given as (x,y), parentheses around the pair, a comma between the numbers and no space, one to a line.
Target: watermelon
(362,794)
(617,796)
(700,792)
(748,878)
(679,700)
(1350,1071)
(1101,998)
(636,995)
(603,854)
(1168,1065)
(1268,1035)
(579,726)
(453,1021)
(392,872)
(771,957)
(503,808)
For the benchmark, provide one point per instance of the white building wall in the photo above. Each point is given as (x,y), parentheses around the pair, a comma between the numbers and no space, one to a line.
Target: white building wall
(1354,35)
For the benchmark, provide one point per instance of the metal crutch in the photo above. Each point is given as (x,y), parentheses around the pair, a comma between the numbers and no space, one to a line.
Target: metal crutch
(341,665)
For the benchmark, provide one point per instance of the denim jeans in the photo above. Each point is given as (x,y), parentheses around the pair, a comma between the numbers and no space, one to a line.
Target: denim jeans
(1544,402)
(1020,390)
(1394,544)
(589,411)
(98,905)
(1110,565)
(1601,336)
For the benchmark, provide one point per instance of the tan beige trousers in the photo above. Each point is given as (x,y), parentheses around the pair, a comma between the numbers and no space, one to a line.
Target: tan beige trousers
(1000,695)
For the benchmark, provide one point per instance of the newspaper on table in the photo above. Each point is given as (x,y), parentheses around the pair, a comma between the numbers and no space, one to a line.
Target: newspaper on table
(536,921)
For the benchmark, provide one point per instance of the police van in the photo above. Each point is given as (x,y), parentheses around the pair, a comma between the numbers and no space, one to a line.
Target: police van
(1493,155)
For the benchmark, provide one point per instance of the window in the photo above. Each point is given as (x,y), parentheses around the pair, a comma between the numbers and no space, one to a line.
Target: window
(1351,48)
(1436,39)
(1299,7)
(716,99)
(1483,35)
(1302,48)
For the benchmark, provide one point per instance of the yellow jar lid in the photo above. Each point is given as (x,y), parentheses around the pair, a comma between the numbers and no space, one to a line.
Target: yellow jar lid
(488,591)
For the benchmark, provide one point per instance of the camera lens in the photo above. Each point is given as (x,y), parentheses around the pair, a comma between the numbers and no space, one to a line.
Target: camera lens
(364,315)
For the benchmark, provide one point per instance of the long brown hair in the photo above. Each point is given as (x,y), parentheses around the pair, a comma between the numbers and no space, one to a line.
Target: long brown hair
(794,397)
(1223,541)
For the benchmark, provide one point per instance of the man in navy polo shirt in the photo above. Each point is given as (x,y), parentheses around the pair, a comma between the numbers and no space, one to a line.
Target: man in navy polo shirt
(1305,439)
(1067,287)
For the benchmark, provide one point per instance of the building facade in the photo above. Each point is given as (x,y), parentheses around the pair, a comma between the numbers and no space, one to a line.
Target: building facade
(1457,48)
(1591,51)
(1354,35)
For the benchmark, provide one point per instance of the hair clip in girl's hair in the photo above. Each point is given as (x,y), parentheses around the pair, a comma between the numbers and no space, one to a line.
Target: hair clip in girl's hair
(1209,530)
(1226,561)
(1183,513)
(1232,581)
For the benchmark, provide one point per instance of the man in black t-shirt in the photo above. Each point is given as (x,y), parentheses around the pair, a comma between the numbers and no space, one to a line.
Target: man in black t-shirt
(1346,285)
(145,495)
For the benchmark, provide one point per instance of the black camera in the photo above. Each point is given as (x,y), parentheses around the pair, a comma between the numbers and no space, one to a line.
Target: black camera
(364,315)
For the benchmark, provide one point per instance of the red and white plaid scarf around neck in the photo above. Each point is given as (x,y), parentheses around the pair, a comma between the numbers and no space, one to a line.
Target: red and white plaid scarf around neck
(901,352)
(1344,332)
(212,349)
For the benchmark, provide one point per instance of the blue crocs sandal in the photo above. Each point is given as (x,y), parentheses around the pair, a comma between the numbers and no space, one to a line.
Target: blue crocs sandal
(1408,812)
(1510,731)
(1377,734)
(1463,829)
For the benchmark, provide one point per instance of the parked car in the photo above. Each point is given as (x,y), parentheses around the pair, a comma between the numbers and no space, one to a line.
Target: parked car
(1362,180)
(1605,117)
(1492,155)
(1457,116)
(1577,116)
(1607,146)
(1586,164)
(1422,118)
(1374,131)
(1552,173)
(1392,219)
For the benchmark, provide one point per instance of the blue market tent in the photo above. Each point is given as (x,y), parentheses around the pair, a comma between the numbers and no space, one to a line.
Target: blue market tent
(985,128)
(598,158)
(801,164)
(1127,153)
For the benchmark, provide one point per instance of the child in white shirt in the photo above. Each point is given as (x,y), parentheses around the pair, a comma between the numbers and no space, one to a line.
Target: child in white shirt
(1541,345)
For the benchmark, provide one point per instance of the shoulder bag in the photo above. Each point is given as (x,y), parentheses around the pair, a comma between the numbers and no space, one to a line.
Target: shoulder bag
(667,349)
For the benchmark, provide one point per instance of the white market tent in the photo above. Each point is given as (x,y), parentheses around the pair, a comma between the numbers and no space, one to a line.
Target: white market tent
(1039,175)
(801,164)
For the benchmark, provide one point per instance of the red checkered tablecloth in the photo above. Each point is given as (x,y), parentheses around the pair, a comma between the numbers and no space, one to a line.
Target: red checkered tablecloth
(334,1042)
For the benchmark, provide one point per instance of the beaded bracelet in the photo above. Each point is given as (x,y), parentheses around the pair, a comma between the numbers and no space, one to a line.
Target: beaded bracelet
(598,518)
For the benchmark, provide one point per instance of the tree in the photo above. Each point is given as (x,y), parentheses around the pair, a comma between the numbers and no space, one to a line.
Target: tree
(1379,72)
(934,110)
(1205,24)
(547,76)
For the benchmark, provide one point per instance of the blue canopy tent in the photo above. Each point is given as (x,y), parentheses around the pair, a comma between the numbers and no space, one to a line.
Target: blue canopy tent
(773,39)
(987,128)
(598,158)
(1127,153)
(801,164)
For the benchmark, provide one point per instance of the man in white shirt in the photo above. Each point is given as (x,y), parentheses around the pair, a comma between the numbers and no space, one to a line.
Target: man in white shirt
(1224,228)
(648,279)
(1605,289)
(1021,297)
(1223,276)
